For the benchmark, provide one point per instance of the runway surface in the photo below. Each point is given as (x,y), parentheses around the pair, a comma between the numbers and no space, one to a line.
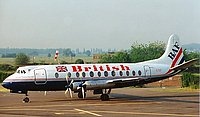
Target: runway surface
(124,102)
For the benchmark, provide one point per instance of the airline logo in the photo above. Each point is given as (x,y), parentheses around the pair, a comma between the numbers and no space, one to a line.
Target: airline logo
(100,68)
(174,51)
(175,54)
(79,68)
(61,68)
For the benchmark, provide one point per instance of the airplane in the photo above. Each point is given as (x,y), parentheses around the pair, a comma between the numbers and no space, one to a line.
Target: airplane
(100,78)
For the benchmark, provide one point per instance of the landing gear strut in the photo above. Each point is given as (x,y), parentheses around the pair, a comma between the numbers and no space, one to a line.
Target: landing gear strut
(105,96)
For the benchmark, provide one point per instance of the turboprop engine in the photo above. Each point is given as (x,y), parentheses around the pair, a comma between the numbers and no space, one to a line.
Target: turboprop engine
(91,85)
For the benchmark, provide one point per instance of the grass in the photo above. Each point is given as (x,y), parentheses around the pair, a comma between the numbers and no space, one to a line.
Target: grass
(197,74)
(61,59)
(47,60)
(7,61)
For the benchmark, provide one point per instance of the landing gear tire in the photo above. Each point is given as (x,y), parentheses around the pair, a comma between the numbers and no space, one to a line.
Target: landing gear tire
(26,100)
(80,95)
(105,97)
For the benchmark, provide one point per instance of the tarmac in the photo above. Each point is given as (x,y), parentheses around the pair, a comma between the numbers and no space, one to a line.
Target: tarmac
(124,102)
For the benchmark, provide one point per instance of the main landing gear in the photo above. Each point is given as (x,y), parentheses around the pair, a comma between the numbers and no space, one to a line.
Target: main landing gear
(104,96)
(80,95)
(82,92)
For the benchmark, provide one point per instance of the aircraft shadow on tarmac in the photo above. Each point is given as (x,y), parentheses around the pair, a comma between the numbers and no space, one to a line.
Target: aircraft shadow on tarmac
(155,98)
(126,97)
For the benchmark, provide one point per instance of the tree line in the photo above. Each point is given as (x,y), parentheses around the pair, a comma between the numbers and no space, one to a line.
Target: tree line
(142,52)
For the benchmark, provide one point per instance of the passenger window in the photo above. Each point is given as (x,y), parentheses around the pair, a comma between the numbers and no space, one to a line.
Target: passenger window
(105,73)
(69,74)
(77,74)
(83,74)
(91,74)
(139,73)
(127,73)
(120,73)
(99,74)
(56,75)
(113,73)
(133,72)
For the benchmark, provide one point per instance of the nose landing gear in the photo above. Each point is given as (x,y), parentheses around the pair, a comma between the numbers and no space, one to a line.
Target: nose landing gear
(26,99)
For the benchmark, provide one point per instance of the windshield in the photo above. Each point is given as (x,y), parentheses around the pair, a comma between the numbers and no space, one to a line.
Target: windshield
(21,71)
(25,69)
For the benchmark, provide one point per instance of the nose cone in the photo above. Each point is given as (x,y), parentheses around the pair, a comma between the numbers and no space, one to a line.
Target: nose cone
(6,85)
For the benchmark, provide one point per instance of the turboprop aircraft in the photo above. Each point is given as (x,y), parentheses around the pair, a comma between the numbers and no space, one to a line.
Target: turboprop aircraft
(100,78)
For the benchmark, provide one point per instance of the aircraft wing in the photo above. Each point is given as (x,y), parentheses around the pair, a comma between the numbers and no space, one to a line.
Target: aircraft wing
(185,64)
(124,80)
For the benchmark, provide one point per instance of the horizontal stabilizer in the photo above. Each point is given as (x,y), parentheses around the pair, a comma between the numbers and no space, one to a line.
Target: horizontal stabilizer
(185,64)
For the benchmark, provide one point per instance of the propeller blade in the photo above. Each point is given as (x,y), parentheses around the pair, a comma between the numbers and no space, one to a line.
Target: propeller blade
(67,80)
(70,92)
(69,87)
(83,92)
(71,82)
(45,93)
(66,91)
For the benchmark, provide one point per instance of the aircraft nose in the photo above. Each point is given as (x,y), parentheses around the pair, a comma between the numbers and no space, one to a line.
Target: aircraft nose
(6,85)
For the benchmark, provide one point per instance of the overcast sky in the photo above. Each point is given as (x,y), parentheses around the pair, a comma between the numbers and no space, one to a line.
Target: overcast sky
(96,23)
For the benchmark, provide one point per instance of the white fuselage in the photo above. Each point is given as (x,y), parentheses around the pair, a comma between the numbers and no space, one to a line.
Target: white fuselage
(94,75)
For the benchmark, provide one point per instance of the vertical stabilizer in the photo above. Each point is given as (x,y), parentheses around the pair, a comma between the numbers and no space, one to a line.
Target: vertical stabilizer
(174,53)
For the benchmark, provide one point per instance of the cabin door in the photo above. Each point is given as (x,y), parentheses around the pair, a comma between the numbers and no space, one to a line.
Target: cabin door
(147,71)
(40,76)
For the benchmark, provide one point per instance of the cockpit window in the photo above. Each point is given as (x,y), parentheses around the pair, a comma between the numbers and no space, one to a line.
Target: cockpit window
(21,71)
(18,71)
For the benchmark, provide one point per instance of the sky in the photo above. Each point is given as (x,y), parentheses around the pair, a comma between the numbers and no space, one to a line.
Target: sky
(96,23)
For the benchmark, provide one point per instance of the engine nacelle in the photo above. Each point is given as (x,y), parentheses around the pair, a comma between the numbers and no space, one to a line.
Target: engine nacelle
(75,85)
(92,85)
(97,84)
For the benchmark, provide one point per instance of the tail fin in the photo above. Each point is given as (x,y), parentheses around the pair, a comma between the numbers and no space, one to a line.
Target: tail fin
(174,53)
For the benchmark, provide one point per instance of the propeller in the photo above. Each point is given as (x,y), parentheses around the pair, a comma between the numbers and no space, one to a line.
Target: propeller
(81,86)
(68,86)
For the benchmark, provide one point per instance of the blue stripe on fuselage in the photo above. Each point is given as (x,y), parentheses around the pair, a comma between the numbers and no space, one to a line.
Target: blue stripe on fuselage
(31,86)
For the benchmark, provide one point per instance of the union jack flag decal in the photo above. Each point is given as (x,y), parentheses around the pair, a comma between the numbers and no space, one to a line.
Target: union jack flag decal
(61,68)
